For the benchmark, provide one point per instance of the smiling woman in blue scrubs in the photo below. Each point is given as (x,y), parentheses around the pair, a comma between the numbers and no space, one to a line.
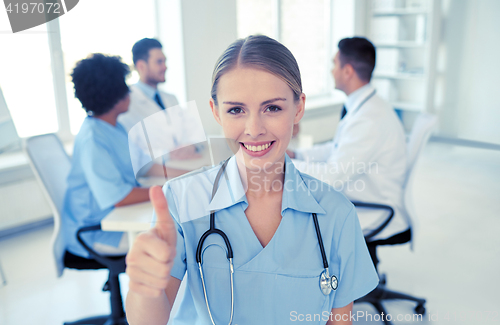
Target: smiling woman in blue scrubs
(101,175)
(264,206)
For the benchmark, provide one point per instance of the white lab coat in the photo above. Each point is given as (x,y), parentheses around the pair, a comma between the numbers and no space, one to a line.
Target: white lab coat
(156,132)
(366,161)
(141,106)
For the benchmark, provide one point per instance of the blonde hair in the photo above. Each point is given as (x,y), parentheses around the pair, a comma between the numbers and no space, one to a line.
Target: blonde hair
(260,52)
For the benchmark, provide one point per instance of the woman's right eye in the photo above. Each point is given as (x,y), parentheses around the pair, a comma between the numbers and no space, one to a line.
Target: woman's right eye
(235,110)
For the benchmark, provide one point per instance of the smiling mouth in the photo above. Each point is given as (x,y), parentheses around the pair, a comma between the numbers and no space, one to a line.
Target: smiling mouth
(257,148)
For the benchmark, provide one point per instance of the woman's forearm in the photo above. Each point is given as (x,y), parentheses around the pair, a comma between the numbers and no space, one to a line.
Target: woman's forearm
(148,311)
(137,195)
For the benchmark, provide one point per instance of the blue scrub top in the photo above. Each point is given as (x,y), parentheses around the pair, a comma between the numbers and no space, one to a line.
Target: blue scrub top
(274,284)
(101,175)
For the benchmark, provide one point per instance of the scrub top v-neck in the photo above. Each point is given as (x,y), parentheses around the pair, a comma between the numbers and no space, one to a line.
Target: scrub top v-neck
(275,283)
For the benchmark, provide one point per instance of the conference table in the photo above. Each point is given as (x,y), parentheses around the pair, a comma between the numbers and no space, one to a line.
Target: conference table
(132,219)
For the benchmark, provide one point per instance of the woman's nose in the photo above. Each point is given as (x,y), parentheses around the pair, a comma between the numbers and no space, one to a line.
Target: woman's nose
(254,126)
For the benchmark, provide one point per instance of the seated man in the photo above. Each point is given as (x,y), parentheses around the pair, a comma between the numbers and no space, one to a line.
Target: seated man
(101,175)
(367,158)
(182,128)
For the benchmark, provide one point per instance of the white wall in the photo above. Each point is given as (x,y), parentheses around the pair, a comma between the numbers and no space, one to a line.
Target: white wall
(209,26)
(195,33)
(471,107)
(169,32)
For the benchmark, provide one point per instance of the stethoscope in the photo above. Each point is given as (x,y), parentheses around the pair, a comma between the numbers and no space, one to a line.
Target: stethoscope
(327,283)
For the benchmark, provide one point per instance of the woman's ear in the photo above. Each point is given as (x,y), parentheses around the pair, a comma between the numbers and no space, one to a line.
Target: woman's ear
(301,104)
(215,111)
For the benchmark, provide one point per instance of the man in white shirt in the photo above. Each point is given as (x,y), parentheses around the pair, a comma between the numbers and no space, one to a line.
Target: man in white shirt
(367,158)
(174,125)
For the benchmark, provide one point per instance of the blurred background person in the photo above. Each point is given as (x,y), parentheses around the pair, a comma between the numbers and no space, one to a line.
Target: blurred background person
(101,176)
(146,99)
(366,159)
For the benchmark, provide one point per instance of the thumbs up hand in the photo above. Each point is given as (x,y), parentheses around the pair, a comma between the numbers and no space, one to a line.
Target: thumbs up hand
(151,257)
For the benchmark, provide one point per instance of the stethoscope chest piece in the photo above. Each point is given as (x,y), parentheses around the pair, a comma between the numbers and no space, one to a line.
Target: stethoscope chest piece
(328,283)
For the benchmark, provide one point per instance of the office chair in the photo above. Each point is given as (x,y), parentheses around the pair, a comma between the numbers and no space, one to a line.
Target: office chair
(418,138)
(51,166)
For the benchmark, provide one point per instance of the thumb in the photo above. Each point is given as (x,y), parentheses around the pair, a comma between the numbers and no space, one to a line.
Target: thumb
(164,226)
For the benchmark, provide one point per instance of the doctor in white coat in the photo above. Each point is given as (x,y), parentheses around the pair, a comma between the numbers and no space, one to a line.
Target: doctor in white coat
(147,100)
(367,158)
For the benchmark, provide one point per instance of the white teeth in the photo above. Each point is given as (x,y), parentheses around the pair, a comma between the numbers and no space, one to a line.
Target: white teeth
(257,148)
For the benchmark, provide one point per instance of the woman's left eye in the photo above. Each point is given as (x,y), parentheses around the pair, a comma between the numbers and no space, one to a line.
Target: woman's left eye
(235,110)
(273,108)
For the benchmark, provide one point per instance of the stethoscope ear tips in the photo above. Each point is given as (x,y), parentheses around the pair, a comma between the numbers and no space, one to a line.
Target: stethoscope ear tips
(328,283)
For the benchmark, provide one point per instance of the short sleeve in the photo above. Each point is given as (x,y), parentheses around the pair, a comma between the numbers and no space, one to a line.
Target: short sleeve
(357,272)
(103,177)
(179,268)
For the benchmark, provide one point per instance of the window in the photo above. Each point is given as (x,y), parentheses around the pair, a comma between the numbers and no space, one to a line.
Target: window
(113,30)
(305,31)
(26,79)
(256,17)
(311,30)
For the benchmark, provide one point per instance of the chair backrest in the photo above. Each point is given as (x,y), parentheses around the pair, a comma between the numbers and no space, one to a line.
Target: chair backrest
(51,165)
(420,134)
(9,139)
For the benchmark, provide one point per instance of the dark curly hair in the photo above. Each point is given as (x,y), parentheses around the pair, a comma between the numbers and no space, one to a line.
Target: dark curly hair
(99,82)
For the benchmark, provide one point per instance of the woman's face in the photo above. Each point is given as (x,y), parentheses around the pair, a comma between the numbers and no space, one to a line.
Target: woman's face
(257,111)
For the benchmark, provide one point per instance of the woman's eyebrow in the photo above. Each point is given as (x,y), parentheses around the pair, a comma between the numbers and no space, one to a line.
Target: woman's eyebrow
(262,104)
(269,101)
(234,103)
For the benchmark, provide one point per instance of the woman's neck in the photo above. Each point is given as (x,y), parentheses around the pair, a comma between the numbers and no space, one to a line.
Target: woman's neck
(263,182)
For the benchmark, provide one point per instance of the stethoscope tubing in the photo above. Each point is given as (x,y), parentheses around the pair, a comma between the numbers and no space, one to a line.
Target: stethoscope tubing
(199,250)
(366,99)
(326,282)
(212,229)
(208,233)
(320,240)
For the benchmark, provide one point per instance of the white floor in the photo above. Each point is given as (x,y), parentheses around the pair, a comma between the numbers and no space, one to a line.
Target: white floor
(455,264)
